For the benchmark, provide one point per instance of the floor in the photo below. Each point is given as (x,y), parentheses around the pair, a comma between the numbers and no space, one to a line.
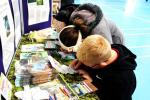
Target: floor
(133,18)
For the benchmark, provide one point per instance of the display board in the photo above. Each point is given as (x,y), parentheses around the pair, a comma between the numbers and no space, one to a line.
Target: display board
(36,14)
(14,4)
(6,34)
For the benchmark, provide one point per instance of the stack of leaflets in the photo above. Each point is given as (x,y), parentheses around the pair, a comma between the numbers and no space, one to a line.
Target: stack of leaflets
(42,35)
(33,68)
(32,48)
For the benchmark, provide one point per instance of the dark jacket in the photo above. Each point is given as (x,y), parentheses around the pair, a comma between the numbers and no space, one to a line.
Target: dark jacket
(117,81)
(97,23)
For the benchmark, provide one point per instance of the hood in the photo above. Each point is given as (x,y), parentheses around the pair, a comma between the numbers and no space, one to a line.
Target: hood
(91,14)
(65,12)
(126,59)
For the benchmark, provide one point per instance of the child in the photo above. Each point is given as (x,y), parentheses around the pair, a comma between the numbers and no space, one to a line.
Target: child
(65,11)
(70,38)
(110,67)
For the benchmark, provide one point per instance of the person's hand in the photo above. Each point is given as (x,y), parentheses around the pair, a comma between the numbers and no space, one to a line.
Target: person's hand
(75,64)
(85,75)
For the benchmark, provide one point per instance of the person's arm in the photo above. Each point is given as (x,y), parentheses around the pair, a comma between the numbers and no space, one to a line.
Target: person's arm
(85,75)
(75,64)
(116,33)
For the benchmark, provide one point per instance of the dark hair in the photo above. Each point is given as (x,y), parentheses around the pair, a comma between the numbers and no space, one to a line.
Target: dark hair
(69,36)
(65,12)
(79,22)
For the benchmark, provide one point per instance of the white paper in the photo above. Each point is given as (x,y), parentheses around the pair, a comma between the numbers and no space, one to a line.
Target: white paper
(5,87)
(6,33)
(59,67)
(38,11)
(17,21)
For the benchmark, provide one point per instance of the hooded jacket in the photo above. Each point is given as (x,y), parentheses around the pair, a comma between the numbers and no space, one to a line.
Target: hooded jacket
(97,23)
(116,81)
(65,12)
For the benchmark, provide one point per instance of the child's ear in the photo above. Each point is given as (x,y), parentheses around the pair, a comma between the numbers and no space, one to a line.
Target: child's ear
(103,64)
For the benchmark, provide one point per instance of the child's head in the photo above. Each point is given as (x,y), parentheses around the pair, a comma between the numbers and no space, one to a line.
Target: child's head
(94,50)
(80,23)
(70,38)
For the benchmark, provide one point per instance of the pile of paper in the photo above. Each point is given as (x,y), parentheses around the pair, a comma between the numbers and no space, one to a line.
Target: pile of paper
(33,68)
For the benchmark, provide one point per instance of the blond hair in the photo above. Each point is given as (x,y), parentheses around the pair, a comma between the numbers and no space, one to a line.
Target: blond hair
(94,50)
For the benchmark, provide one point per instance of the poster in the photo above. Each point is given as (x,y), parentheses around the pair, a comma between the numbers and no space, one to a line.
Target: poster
(6,33)
(36,14)
(38,11)
(17,21)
